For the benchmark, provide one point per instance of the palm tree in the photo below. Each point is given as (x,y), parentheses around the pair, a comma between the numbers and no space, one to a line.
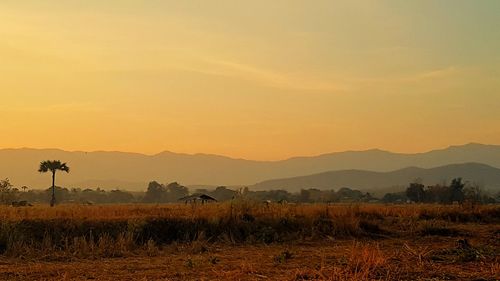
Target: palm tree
(53,166)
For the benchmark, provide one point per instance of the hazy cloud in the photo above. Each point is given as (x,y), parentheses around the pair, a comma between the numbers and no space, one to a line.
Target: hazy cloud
(268,77)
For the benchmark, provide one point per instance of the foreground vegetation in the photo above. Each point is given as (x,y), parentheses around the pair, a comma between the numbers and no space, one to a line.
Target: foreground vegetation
(346,242)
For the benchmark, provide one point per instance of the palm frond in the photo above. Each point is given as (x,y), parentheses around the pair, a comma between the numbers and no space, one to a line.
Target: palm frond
(44,167)
(52,166)
(64,167)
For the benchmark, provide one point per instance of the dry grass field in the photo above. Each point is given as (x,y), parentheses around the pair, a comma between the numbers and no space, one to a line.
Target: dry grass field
(250,241)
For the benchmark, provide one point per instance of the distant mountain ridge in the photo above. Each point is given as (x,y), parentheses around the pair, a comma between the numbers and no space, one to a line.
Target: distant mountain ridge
(484,175)
(133,170)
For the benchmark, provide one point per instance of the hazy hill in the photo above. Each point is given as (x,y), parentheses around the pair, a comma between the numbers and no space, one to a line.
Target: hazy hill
(486,176)
(133,170)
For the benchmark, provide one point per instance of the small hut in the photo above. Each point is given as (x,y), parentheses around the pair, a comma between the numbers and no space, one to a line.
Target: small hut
(195,198)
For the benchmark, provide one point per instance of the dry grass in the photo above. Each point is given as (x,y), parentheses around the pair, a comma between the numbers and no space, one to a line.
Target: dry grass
(131,211)
(249,241)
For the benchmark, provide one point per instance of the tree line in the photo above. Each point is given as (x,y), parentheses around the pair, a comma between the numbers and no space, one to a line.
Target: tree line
(171,193)
(9,194)
(456,191)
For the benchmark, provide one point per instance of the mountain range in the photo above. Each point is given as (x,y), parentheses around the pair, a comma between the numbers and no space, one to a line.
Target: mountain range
(133,171)
(380,182)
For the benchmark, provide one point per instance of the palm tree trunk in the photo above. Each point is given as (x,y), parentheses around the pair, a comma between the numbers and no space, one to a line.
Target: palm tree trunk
(53,199)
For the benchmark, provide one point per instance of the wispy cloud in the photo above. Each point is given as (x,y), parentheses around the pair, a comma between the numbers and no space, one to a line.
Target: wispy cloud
(417,77)
(432,74)
(309,82)
(267,77)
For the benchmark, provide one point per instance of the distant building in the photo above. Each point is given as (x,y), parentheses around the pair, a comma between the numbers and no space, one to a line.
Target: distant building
(195,198)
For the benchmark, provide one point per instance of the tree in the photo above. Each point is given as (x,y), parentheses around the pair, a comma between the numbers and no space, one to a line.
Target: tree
(399,197)
(305,195)
(474,194)
(438,193)
(155,193)
(457,190)
(53,167)
(223,193)
(118,196)
(349,195)
(175,191)
(6,192)
(415,192)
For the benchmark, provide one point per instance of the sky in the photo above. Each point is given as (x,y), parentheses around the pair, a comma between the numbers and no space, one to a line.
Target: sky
(255,79)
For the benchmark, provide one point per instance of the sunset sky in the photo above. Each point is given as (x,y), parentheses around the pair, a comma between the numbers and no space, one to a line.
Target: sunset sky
(252,79)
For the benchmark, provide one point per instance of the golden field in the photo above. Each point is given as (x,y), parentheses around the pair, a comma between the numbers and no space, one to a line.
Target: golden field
(243,240)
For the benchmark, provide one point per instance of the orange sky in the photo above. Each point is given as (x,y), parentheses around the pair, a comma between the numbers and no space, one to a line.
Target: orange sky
(257,80)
